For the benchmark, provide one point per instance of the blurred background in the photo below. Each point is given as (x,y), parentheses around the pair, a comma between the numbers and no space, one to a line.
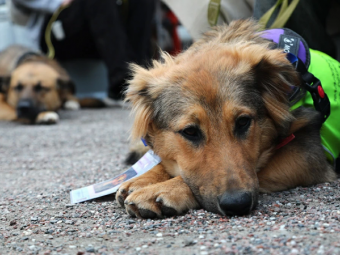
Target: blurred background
(170,25)
(90,73)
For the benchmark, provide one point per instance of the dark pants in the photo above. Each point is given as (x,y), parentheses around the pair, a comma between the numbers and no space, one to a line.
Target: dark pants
(117,34)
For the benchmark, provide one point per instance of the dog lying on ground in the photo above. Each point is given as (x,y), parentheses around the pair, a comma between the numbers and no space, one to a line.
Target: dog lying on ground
(216,115)
(32,87)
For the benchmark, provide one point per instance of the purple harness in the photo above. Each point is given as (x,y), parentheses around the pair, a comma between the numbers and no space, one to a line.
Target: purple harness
(298,54)
(290,42)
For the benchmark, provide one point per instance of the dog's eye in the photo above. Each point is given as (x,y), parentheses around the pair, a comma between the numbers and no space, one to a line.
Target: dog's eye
(19,87)
(243,122)
(242,125)
(193,134)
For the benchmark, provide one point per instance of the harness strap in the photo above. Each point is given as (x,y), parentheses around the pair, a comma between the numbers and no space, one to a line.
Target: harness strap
(313,86)
(282,17)
(298,54)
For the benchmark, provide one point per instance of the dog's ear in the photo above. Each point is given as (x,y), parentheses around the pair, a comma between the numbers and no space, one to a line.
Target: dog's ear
(275,77)
(66,85)
(4,84)
(139,93)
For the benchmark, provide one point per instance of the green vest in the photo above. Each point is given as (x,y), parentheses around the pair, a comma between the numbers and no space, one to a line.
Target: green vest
(327,70)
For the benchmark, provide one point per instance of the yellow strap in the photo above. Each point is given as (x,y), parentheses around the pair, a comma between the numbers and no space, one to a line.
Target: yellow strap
(265,17)
(284,14)
(283,8)
(213,11)
(282,20)
(51,51)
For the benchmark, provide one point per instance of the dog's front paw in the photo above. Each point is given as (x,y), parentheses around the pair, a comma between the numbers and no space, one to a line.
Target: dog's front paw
(153,176)
(166,199)
(128,187)
(47,118)
(71,105)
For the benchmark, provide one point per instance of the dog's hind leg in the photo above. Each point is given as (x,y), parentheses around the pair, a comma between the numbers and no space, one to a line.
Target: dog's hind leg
(137,150)
(155,195)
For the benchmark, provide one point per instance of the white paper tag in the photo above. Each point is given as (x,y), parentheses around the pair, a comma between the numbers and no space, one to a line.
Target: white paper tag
(57,30)
(144,164)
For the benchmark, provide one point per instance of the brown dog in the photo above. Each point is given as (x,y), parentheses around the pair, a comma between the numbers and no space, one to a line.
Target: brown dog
(215,114)
(33,87)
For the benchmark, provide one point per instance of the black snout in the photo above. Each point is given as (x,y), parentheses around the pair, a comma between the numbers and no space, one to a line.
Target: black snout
(236,202)
(26,109)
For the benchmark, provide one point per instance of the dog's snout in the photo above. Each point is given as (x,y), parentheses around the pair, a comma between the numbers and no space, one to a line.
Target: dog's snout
(26,109)
(236,202)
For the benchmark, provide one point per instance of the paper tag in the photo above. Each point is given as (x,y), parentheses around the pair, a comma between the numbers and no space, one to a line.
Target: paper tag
(58,31)
(147,162)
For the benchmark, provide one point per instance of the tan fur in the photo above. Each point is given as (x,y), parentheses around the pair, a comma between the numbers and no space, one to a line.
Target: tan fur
(229,74)
(29,74)
(32,70)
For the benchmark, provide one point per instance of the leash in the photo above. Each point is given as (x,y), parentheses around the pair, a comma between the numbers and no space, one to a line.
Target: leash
(48,40)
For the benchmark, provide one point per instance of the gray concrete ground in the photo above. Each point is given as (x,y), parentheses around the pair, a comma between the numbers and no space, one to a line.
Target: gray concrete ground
(39,165)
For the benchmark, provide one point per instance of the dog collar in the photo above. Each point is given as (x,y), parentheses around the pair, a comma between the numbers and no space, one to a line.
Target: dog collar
(144,142)
(285,141)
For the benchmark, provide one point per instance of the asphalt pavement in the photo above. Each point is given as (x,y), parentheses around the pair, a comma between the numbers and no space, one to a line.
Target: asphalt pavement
(39,165)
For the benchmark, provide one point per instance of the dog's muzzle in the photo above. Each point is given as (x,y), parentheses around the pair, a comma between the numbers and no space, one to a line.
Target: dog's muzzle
(27,110)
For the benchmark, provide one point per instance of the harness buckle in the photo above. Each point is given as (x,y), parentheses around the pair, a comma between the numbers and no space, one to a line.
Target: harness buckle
(320,98)
(313,86)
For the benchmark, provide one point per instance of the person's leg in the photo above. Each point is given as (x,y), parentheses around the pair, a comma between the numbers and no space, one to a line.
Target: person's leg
(94,28)
(109,35)
(78,42)
(139,29)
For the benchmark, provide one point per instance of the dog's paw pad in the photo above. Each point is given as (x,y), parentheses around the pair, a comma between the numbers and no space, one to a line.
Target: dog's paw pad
(47,118)
(131,213)
(168,211)
(71,105)
(147,214)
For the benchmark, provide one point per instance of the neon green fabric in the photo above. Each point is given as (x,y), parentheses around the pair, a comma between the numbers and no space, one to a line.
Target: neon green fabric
(327,70)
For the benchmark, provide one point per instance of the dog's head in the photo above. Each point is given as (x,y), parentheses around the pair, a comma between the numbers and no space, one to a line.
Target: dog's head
(34,87)
(214,115)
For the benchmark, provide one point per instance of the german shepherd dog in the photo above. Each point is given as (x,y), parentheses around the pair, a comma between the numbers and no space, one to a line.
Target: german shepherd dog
(33,87)
(215,115)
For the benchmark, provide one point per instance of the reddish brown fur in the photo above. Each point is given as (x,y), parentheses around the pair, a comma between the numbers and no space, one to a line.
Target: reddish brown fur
(228,74)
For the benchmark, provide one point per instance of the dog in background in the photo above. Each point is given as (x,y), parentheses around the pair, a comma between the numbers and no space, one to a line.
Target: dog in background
(215,115)
(33,87)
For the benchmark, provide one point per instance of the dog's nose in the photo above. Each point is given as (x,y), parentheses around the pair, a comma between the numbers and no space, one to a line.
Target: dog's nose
(26,109)
(236,202)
